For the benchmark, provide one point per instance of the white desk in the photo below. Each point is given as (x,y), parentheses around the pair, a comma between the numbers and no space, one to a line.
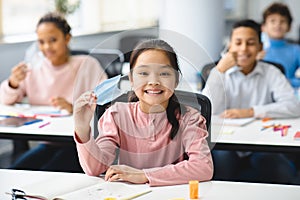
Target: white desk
(214,190)
(59,129)
(250,136)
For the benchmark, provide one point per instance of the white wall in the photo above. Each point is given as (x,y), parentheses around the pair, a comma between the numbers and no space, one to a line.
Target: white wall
(195,28)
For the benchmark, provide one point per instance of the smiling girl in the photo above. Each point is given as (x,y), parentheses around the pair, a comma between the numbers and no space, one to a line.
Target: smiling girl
(153,132)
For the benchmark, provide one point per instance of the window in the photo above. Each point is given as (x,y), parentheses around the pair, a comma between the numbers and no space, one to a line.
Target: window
(19,17)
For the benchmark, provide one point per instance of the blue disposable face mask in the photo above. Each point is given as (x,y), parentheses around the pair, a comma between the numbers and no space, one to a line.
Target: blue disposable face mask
(108,90)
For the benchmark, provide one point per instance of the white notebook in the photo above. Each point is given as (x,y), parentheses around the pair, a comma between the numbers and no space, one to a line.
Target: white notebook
(81,186)
(231,122)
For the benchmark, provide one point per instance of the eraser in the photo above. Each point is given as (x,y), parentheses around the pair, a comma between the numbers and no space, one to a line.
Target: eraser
(227,131)
(297,135)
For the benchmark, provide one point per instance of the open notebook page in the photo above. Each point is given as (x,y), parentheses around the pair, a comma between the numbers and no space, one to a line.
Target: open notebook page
(217,120)
(55,187)
(117,190)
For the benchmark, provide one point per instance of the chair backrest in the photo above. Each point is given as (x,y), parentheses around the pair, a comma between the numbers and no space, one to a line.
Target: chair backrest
(206,71)
(208,67)
(79,52)
(278,65)
(127,44)
(110,59)
(195,100)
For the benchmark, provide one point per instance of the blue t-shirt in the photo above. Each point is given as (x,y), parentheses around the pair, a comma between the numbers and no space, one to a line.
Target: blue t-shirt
(286,54)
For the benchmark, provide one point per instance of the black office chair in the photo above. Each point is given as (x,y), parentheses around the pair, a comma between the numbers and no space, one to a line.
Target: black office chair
(206,69)
(195,100)
(79,52)
(111,60)
(278,65)
(127,44)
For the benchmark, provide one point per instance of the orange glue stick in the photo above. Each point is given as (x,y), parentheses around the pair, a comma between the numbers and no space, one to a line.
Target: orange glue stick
(193,189)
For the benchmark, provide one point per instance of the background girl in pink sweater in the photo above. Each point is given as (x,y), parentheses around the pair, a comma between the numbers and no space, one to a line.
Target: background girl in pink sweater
(154,132)
(58,80)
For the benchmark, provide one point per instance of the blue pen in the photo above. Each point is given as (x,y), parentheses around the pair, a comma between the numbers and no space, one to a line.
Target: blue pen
(7,116)
(33,121)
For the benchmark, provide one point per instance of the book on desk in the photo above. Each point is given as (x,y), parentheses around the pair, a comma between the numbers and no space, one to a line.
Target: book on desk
(217,120)
(11,121)
(81,186)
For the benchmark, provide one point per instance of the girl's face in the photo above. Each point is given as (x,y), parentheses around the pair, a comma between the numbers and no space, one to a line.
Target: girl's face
(153,80)
(276,26)
(53,43)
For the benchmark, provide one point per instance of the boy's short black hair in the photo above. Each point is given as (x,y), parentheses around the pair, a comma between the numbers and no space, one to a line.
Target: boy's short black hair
(249,23)
(278,8)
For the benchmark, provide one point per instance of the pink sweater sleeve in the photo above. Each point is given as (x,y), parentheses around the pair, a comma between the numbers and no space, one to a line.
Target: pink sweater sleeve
(199,166)
(9,95)
(96,156)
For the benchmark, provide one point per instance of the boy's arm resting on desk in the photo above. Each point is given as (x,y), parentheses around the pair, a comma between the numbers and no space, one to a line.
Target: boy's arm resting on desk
(285,103)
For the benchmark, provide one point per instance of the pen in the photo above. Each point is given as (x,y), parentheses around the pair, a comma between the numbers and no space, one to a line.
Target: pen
(26,196)
(7,116)
(43,125)
(266,127)
(33,121)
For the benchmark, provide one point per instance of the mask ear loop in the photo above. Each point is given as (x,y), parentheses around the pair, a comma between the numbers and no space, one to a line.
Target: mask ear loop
(124,77)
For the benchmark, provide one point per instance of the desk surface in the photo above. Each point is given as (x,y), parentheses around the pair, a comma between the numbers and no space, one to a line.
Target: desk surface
(59,129)
(251,137)
(207,190)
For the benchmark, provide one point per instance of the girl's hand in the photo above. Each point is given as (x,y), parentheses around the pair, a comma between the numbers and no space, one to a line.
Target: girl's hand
(227,61)
(62,104)
(18,74)
(238,113)
(83,113)
(126,173)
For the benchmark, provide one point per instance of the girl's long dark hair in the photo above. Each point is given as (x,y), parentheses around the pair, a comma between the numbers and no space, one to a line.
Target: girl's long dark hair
(174,109)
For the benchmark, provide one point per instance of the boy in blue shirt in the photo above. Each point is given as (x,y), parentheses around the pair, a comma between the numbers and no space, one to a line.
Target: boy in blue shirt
(277,21)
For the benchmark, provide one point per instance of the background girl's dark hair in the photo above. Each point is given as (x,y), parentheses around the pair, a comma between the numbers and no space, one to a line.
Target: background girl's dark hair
(60,22)
(249,23)
(174,110)
(278,8)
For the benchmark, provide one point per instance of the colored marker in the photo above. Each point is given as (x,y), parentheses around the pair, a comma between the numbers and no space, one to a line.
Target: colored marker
(43,125)
(266,127)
